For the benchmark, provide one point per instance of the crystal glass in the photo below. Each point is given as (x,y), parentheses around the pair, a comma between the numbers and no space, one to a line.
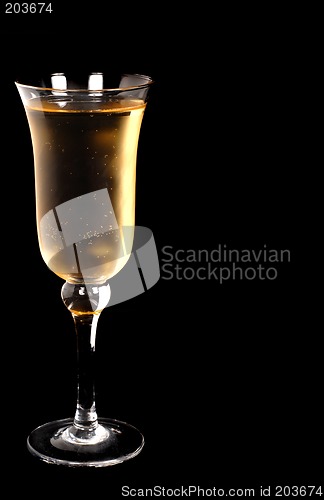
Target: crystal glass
(85,131)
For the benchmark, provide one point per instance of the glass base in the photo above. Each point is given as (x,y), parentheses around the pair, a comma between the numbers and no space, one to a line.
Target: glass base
(112,442)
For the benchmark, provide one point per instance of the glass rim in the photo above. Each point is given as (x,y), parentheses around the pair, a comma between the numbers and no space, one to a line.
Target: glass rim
(148,82)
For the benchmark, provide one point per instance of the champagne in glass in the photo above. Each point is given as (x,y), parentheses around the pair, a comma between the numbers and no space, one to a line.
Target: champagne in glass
(85,159)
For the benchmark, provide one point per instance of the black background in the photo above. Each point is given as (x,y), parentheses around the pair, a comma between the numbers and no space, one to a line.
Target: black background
(223,380)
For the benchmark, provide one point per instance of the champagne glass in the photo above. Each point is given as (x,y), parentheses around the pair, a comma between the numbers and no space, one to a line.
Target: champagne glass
(85,131)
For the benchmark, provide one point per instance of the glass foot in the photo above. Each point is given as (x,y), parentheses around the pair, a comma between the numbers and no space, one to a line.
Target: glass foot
(111,443)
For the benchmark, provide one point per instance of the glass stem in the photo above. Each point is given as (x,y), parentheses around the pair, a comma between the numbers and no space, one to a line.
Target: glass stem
(85,302)
(86,417)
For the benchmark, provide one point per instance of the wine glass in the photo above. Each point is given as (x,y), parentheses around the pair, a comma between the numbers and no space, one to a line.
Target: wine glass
(85,131)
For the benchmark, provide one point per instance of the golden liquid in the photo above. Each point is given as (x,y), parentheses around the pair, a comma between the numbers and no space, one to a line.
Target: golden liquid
(85,169)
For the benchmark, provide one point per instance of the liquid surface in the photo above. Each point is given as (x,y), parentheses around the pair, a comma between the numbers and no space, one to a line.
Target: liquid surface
(85,170)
